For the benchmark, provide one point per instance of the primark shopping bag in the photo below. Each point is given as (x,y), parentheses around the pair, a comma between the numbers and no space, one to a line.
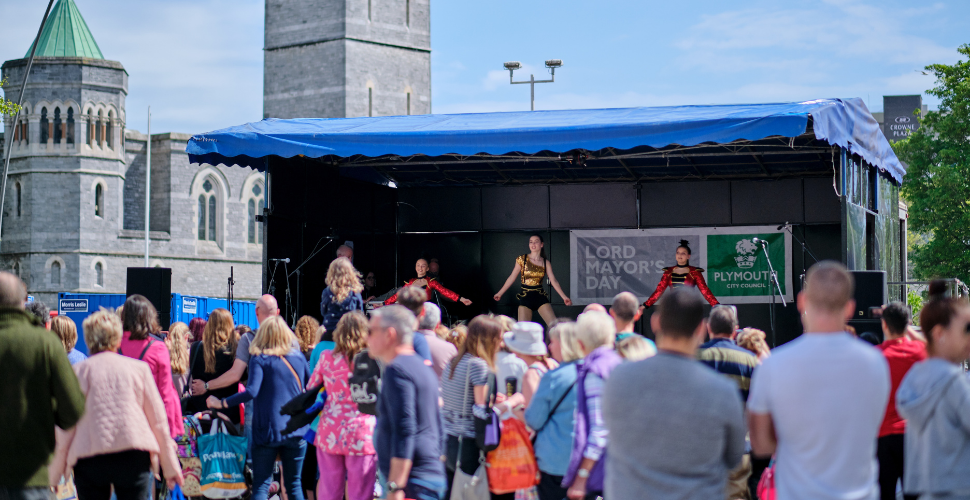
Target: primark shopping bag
(223,458)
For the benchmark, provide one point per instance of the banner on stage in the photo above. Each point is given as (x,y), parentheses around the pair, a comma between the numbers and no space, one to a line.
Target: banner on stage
(606,262)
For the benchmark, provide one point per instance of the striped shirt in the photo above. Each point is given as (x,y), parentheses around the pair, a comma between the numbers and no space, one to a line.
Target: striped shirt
(729,359)
(459,420)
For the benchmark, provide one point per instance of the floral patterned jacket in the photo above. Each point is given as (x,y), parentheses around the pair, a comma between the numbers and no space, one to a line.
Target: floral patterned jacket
(343,429)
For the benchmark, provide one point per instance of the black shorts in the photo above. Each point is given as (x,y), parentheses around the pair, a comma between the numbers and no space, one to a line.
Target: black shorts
(532,297)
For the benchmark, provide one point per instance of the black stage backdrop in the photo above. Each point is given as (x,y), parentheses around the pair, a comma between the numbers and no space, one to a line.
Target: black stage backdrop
(476,232)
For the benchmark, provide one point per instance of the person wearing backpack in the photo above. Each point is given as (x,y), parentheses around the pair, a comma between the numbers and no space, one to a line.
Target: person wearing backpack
(140,324)
(934,398)
(344,441)
(277,374)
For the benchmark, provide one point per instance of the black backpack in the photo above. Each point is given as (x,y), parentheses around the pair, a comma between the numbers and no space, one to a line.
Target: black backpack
(365,382)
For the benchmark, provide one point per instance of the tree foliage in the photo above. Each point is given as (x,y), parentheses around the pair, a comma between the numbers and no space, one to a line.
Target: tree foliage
(937,183)
(7,108)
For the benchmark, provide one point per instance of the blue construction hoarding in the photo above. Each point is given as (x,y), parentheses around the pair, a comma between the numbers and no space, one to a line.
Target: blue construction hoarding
(79,306)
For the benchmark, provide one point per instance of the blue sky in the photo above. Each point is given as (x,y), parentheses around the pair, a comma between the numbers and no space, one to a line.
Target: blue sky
(199,62)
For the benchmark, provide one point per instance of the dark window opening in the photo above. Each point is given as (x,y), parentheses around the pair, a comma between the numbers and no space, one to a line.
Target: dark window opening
(212,218)
(99,200)
(58,126)
(202,217)
(99,274)
(70,125)
(18,188)
(44,125)
(56,273)
(252,221)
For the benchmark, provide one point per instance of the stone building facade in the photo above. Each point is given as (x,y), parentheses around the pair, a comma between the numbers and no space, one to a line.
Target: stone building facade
(347,58)
(74,207)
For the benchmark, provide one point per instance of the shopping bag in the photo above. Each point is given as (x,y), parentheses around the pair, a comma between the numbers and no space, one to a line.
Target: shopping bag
(766,485)
(512,466)
(223,457)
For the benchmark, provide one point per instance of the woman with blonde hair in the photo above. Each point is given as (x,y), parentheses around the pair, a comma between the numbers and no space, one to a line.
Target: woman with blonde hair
(753,340)
(66,330)
(178,350)
(212,357)
(123,430)
(550,413)
(341,295)
(306,334)
(464,390)
(345,437)
(635,348)
(277,374)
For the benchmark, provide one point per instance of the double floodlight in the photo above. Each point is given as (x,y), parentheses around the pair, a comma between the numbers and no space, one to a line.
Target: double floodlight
(513,65)
(554,63)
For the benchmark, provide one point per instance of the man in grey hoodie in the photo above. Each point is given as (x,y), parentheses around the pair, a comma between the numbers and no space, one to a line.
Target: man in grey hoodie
(934,398)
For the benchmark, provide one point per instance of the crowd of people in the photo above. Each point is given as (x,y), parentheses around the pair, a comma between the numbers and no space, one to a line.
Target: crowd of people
(705,411)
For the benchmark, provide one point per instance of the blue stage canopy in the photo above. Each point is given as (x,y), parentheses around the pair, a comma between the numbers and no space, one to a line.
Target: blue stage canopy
(843,122)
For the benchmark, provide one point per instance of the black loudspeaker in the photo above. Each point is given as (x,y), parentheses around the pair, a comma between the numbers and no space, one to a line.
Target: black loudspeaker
(870,291)
(155,283)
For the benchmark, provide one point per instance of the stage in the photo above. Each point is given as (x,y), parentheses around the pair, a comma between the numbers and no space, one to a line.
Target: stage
(469,190)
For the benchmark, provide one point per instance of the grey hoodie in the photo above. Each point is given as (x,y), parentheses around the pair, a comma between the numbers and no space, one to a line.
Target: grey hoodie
(934,398)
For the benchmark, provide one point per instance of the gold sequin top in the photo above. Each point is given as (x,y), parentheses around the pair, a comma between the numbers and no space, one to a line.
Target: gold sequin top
(531,274)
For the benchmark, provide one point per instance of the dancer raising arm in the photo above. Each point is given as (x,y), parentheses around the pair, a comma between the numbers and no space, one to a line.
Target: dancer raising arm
(534,266)
(428,283)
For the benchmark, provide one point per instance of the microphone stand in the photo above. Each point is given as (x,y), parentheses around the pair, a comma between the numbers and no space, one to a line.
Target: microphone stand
(773,279)
(805,248)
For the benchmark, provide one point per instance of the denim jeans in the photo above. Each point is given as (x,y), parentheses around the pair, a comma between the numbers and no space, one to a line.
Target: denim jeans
(425,490)
(291,452)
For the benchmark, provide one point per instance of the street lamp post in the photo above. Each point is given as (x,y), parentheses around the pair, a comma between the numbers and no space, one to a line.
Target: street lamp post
(552,64)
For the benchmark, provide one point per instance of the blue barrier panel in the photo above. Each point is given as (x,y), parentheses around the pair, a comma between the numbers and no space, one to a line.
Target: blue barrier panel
(186,307)
(79,306)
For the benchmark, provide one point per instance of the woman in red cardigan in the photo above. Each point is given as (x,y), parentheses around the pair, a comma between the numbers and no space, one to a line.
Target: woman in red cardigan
(683,274)
(428,283)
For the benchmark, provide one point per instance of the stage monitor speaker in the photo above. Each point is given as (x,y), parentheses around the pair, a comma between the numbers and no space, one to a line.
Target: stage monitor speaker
(155,283)
(870,291)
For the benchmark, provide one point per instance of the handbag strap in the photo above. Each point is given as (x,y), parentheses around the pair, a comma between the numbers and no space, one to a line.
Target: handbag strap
(299,381)
(143,351)
(556,406)
(464,406)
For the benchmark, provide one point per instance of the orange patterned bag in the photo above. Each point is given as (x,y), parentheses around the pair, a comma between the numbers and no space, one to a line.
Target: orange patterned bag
(512,466)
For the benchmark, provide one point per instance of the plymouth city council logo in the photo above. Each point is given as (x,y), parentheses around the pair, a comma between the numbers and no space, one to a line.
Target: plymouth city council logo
(747,251)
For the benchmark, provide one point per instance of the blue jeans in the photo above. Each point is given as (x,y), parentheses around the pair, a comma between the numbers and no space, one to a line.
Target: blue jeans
(425,490)
(291,452)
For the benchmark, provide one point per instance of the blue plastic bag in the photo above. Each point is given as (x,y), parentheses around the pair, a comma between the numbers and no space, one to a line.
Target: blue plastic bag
(223,458)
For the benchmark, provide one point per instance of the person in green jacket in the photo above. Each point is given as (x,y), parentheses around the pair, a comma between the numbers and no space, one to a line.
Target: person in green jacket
(38,390)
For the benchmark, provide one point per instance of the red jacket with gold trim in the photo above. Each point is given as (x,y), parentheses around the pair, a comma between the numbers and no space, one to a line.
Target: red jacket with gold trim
(694,278)
(432,285)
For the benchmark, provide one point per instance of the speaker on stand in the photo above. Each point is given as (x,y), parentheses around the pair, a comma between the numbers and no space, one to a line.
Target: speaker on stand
(155,283)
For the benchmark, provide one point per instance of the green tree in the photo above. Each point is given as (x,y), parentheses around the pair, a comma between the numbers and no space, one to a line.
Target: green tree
(937,183)
(7,108)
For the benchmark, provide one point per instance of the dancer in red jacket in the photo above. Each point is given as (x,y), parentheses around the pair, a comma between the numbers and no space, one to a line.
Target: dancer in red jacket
(683,274)
(428,283)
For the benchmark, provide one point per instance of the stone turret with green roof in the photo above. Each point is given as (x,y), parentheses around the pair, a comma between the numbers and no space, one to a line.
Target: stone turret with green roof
(67,151)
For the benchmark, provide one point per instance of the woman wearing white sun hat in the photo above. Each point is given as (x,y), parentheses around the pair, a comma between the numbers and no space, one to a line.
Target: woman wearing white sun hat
(527,342)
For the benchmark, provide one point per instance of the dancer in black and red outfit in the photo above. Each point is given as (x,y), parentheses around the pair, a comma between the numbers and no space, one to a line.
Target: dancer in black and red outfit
(683,274)
(429,284)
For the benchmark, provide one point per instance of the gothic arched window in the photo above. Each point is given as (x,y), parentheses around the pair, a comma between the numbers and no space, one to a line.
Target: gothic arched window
(44,125)
(99,200)
(70,125)
(56,273)
(209,211)
(256,205)
(90,127)
(58,126)
(99,274)
(97,130)
(107,130)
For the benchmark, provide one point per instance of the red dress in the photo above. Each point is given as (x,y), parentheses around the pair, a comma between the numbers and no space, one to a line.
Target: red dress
(692,278)
(432,285)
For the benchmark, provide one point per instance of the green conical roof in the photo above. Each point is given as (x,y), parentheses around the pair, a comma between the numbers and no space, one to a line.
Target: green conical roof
(66,34)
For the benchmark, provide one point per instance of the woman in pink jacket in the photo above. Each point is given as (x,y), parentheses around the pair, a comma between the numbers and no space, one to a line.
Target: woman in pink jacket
(140,322)
(345,438)
(124,430)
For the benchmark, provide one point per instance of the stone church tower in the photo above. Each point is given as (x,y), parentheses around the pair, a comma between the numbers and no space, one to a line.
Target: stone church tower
(346,58)
(74,217)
